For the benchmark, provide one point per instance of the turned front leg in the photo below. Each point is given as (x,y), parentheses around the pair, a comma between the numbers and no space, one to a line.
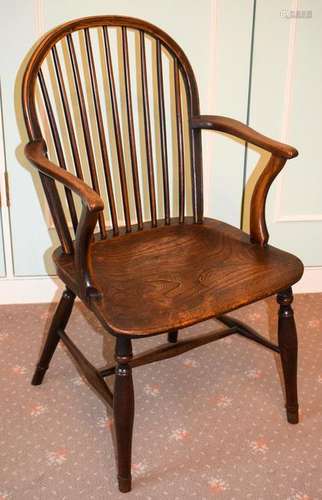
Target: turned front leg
(123,405)
(59,322)
(287,339)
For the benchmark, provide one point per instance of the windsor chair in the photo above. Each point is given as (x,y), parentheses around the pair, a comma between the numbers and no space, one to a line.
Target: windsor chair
(144,268)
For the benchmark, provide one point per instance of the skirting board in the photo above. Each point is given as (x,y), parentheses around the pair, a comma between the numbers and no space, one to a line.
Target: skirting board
(32,290)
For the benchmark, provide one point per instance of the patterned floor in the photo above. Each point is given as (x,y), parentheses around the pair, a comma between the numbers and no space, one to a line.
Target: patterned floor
(209,424)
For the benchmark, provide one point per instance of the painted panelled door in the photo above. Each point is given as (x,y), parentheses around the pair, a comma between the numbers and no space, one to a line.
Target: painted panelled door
(3,194)
(252,63)
(285,103)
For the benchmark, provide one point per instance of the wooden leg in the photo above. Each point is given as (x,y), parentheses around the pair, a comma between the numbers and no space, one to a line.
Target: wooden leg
(59,322)
(287,340)
(173,337)
(123,404)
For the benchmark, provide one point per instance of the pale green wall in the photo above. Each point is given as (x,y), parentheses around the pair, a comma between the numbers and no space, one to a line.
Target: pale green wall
(280,96)
(286,104)
(29,232)
(3,200)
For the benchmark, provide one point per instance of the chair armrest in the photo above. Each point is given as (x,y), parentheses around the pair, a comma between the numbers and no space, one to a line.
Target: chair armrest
(280,153)
(92,205)
(258,228)
(36,153)
(239,129)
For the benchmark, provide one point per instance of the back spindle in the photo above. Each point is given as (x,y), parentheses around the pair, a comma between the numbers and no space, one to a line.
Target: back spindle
(58,145)
(113,149)
(101,131)
(67,113)
(117,130)
(85,127)
(147,130)
(163,136)
(179,141)
(129,111)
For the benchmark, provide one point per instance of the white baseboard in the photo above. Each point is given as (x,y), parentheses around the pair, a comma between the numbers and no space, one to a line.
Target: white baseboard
(311,281)
(31,290)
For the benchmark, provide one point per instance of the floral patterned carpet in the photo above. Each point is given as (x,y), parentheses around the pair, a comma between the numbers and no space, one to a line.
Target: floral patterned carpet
(209,424)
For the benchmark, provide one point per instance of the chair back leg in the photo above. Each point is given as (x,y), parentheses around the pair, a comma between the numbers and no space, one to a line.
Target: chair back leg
(287,339)
(59,322)
(123,406)
(173,337)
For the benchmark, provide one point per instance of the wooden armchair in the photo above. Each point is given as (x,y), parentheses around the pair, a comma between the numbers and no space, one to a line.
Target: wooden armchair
(158,269)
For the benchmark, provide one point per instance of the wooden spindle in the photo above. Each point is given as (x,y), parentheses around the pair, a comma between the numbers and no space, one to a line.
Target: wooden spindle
(117,129)
(58,146)
(163,136)
(67,113)
(85,126)
(147,130)
(57,213)
(179,140)
(130,122)
(101,131)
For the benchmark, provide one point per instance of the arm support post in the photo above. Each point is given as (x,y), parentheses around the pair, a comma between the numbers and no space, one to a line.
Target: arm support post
(280,153)
(92,205)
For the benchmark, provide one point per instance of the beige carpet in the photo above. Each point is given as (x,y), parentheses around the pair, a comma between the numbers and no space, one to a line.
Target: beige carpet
(209,424)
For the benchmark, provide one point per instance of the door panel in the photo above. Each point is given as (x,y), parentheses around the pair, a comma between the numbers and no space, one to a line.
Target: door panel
(286,104)
(30,237)
(227,95)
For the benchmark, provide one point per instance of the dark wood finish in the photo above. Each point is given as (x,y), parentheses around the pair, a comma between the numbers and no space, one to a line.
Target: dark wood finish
(92,205)
(280,153)
(173,337)
(123,405)
(85,125)
(287,340)
(157,276)
(163,137)
(117,130)
(55,205)
(36,152)
(258,229)
(67,113)
(87,369)
(147,130)
(185,272)
(59,321)
(171,350)
(101,131)
(130,122)
(58,147)
(177,94)
(238,129)
(247,331)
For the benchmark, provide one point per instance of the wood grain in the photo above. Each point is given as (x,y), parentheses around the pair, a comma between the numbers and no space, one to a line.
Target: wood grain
(175,276)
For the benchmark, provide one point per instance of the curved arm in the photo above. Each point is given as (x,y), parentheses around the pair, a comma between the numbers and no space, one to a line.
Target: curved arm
(280,153)
(239,129)
(92,205)
(82,259)
(258,228)
(35,152)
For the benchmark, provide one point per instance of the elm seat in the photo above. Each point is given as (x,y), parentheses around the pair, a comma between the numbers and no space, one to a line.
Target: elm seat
(175,276)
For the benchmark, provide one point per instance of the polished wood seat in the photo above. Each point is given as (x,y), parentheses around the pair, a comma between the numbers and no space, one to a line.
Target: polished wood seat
(162,266)
(174,276)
